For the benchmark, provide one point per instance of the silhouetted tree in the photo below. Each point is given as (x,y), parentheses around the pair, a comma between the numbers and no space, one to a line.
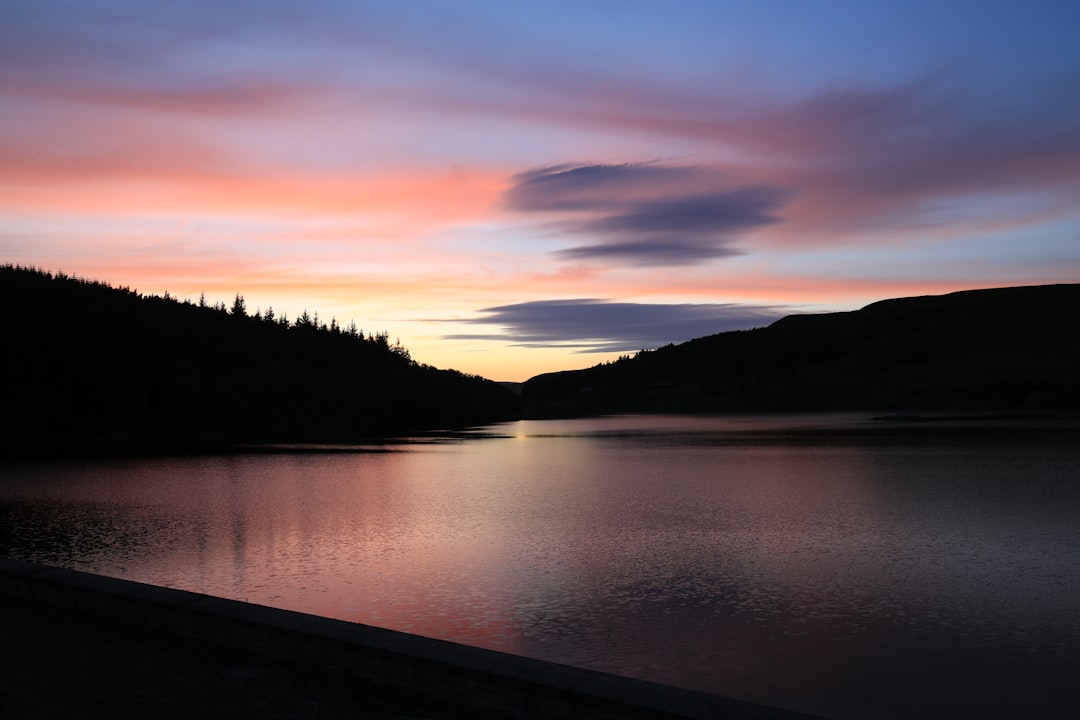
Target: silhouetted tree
(281,382)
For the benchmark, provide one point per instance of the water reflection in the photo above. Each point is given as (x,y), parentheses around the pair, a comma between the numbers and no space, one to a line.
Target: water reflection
(849,578)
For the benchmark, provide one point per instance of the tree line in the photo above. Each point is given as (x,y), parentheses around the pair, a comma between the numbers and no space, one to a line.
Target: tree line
(88,366)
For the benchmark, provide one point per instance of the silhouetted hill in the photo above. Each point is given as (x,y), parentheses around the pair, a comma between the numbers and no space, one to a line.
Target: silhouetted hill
(86,366)
(981,349)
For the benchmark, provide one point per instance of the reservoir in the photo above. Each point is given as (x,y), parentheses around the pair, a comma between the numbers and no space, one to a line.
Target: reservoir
(824,563)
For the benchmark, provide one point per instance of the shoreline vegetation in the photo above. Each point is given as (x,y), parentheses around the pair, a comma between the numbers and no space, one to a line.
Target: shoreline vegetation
(90,369)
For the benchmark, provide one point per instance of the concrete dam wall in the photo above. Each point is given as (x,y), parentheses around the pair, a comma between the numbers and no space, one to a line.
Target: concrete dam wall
(471,681)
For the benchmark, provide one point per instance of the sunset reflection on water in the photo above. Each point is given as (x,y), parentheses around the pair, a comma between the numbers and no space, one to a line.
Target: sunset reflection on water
(850,578)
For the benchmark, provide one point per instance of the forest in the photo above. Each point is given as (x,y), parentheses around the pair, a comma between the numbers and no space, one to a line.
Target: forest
(1008,349)
(88,367)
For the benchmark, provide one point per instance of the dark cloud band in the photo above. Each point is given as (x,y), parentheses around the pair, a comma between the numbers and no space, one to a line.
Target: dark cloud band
(650,214)
(593,325)
(649,252)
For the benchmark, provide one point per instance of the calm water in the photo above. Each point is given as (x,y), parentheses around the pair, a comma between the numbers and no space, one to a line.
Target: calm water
(852,577)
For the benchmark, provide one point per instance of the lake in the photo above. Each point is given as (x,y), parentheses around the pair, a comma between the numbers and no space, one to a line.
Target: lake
(828,564)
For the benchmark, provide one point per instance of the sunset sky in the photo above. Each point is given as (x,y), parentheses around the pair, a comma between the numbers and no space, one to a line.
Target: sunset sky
(512,188)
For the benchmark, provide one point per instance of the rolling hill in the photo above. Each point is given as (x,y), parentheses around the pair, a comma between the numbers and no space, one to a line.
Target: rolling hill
(982,349)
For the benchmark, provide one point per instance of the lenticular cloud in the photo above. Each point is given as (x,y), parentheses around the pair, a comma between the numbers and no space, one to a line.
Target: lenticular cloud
(594,325)
(648,214)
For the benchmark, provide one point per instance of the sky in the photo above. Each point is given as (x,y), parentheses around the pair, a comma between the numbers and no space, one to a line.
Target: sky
(511,188)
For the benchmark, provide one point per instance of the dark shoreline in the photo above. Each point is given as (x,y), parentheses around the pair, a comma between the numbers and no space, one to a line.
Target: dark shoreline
(1006,426)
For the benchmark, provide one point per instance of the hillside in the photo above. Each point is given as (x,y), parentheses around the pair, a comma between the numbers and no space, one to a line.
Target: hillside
(983,349)
(90,367)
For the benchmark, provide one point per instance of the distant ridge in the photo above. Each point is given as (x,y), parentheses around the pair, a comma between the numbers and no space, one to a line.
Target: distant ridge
(87,367)
(1003,348)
